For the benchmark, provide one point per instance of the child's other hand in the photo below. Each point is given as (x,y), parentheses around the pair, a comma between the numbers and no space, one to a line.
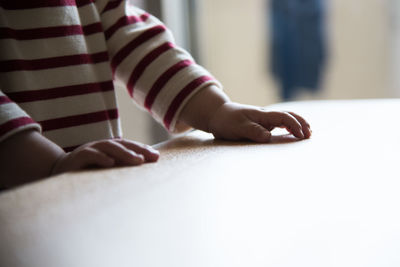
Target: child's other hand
(106,154)
(234,121)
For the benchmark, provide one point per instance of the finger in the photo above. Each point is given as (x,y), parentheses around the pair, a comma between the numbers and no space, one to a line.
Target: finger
(270,119)
(89,157)
(304,124)
(83,158)
(149,153)
(255,132)
(119,153)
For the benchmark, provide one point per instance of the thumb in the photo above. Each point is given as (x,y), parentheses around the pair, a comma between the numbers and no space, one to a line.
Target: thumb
(255,132)
(80,159)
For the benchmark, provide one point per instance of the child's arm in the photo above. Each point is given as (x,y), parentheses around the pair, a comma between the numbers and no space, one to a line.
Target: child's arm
(162,78)
(212,111)
(28,156)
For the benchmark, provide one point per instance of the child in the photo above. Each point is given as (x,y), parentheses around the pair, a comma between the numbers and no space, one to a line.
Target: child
(58,111)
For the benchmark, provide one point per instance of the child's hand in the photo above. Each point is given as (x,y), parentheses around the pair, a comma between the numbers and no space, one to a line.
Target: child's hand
(211,110)
(234,121)
(106,154)
(42,158)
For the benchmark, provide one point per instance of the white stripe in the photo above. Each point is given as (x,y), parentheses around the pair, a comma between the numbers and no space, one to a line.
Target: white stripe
(88,14)
(82,134)
(10,111)
(49,17)
(70,106)
(40,17)
(52,47)
(50,78)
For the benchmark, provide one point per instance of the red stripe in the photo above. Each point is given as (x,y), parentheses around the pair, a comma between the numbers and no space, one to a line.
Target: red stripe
(4,100)
(124,21)
(162,80)
(132,45)
(80,3)
(58,92)
(176,103)
(92,28)
(111,5)
(11,5)
(15,123)
(77,120)
(144,63)
(50,32)
(54,62)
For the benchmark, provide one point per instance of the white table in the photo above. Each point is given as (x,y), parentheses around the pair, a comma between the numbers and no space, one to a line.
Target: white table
(332,200)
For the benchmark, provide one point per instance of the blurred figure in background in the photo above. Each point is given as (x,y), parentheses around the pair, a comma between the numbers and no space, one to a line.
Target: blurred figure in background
(298,44)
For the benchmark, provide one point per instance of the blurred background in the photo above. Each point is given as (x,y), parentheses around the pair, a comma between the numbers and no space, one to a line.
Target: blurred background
(270,51)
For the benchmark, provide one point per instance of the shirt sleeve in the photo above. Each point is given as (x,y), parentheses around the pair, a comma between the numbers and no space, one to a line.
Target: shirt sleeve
(13,119)
(159,76)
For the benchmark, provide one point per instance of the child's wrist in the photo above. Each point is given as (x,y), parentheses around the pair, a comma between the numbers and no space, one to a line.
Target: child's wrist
(212,120)
(196,114)
(56,164)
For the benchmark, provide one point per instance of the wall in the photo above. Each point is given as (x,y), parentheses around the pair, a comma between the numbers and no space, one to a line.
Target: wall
(359,66)
(394,7)
(233,48)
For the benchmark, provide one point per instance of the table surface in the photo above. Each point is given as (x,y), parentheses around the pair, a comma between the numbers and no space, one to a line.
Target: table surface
(332,200)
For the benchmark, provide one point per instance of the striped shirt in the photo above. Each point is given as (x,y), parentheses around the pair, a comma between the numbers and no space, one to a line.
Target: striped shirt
(59,60)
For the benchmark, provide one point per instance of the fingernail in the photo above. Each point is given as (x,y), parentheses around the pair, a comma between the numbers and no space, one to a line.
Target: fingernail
(136,158)
(141,157)
(152,150)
